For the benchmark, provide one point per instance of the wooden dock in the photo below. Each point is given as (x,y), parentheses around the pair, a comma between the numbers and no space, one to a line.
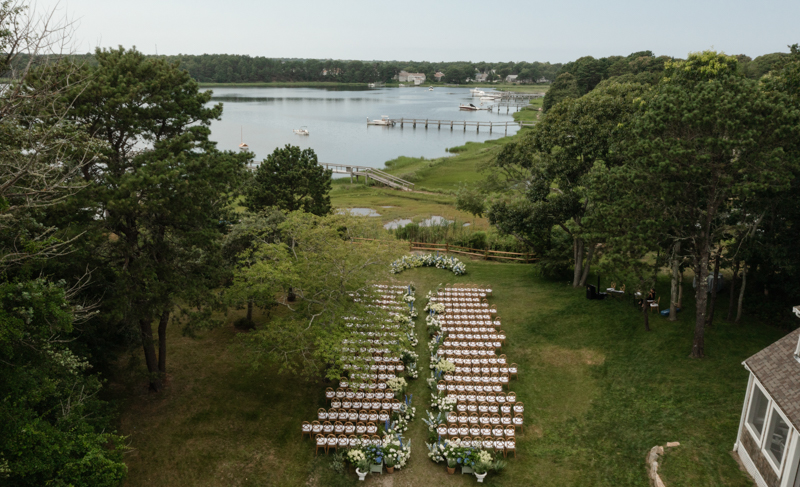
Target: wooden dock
(428,123)
(369,172)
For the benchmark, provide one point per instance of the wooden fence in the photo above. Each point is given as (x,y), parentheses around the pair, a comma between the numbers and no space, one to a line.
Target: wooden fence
(480,253)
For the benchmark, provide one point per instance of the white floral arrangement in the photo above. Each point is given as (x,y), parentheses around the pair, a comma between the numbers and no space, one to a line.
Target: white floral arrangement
(412,370)
(356,456)
(436,451)
(443,402)
(397,384)
(396,450)
(409,298)
(445,366)
(433,420)
(401,319)
(437,308)
(428,260)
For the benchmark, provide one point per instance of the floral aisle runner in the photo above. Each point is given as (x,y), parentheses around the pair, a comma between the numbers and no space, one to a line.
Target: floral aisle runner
(369,411)
(475,416)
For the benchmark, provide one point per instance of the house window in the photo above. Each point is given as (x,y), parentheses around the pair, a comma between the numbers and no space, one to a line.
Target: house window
(758,411)
(776,440)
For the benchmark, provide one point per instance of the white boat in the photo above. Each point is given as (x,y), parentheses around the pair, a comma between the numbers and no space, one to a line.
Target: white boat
(430,89)
(384,121)
(301,131)
(477,92)
(467,107)
(242,147)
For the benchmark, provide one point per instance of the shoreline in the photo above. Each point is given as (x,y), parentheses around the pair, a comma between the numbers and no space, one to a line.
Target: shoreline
(333,84)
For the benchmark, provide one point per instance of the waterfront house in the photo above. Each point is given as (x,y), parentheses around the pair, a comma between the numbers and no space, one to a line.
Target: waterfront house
(406,77)
(542,80)
(439,75)
(481,78)
(511,78)
(768,442)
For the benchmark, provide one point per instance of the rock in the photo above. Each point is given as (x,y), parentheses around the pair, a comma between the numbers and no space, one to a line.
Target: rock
(660,450)
(671,444)
(659,482)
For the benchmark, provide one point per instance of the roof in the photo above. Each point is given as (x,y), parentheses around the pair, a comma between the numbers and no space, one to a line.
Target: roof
(779,373)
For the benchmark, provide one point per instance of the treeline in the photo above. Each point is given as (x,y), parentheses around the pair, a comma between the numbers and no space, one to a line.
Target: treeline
(646,163)
(581,76)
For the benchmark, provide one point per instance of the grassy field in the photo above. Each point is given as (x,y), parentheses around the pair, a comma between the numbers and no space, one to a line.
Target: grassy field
(599,392)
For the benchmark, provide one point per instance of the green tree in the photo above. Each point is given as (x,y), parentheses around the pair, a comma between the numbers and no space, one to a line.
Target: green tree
(159,190)
(290,179)
(562,88)
(320,261)
(706,140)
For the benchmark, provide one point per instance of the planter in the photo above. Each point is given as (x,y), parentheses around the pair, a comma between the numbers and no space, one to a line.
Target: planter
(361,475)
(481,476)
(389,469)
(451,470)
(465,469)
(376,468)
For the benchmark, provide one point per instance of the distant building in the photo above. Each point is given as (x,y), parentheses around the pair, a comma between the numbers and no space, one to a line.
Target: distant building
(768,442)
(481,78)
(511,78)
(439,75)
(543,80)
(406,77)
(332,72)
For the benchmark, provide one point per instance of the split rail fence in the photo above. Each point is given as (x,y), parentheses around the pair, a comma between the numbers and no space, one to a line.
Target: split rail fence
(485,254)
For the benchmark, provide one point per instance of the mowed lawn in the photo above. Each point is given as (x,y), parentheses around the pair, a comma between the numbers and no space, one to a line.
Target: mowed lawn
(599,392)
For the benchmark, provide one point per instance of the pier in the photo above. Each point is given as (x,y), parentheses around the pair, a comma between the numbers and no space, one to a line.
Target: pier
(428,123)
(369,172)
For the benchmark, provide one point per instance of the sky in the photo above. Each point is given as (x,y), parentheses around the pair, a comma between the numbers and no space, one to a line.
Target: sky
(433,30)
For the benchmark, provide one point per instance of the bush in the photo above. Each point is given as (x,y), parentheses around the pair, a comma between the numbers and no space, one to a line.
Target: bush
(244,324)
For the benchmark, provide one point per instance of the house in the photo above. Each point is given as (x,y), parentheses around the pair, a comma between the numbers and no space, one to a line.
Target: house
(768,442)
(511,78)
(439,75)
(406,77)
(481,78)
(542,80)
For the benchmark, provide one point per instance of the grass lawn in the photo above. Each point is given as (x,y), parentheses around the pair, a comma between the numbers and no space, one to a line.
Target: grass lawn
(599,392)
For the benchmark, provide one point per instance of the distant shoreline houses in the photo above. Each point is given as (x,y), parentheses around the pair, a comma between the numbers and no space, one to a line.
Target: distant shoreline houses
(406,77)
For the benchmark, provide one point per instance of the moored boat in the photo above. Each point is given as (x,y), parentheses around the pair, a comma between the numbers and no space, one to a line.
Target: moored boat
(467,107)
(301,131)
(384,121)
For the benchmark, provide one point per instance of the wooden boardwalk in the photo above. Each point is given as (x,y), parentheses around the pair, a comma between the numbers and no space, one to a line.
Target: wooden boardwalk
(369,172)
(428,123)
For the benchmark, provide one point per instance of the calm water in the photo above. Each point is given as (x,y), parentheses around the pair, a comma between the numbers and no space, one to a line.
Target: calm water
(336,121)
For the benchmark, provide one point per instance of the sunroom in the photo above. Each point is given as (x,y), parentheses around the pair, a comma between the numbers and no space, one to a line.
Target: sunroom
(768,442)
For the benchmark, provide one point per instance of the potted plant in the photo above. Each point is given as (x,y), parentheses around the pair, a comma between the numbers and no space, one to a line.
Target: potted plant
(362,469)
(451,465)
(389,461)
(481,469)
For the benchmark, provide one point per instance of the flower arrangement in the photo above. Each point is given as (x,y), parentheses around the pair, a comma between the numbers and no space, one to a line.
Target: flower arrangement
(401,319)
(409,298)
(397,384)
(357,457)
(443,402)
(436,451)
(428,260)
(437,308)
(445,366)
(433,421)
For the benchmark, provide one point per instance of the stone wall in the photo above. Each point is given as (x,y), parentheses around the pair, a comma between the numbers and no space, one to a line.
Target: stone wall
(759,460)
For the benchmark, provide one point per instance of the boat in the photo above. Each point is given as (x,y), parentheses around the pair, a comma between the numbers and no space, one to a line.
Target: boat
(477,92)
(242,147)
(467,107)
(384,121)
(430,89)
(301,131)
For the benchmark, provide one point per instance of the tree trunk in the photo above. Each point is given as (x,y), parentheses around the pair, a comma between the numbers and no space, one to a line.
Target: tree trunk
(680,291)
(578,251)
(290,295)
(673,292)
(146,328)
(710,318)
(249,310)
(587,265)
(701,300)
(162,343)
(741,292)
(731,302)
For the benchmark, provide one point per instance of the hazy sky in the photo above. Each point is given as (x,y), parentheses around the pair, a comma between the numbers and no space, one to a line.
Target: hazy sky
(435,30)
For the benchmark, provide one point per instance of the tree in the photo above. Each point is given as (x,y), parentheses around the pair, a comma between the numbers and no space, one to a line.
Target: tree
(159,191)
(290,179)
(556,157)
(562,88)
(707,140)
(319,260)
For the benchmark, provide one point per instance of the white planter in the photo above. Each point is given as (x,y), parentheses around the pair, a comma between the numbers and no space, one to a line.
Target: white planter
(361,475)
(481,476)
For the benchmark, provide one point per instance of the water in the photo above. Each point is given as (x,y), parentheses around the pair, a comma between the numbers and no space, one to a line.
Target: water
(336,120)
(359,211)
